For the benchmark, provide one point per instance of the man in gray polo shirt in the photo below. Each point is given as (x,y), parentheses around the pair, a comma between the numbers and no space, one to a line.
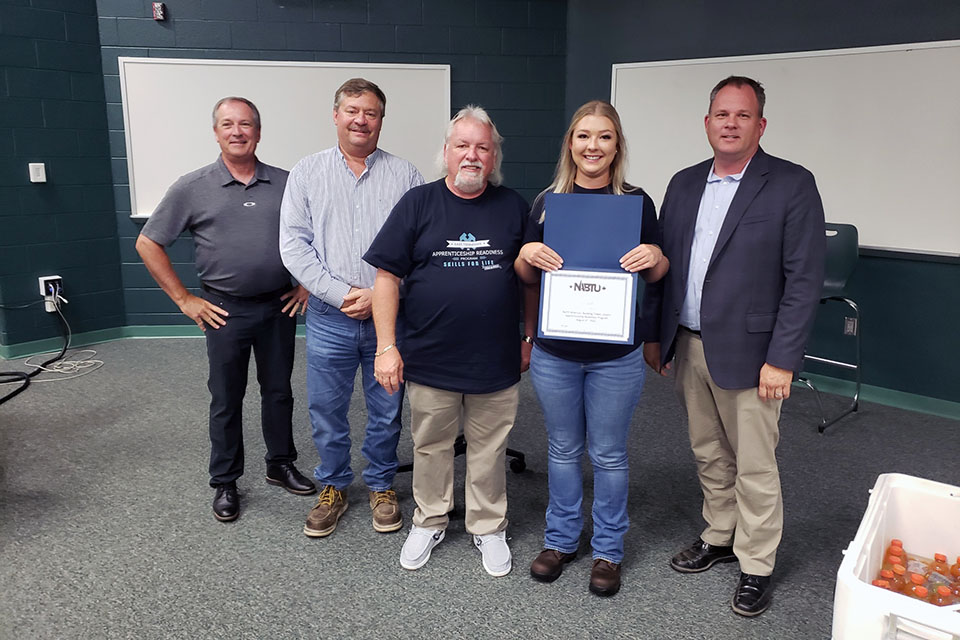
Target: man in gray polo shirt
(335,203)
(231,208)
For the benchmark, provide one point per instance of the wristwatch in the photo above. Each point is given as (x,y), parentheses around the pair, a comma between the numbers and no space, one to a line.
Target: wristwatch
(527,339)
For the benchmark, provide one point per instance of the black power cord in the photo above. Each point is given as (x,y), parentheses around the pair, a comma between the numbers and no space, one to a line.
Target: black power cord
(13,376)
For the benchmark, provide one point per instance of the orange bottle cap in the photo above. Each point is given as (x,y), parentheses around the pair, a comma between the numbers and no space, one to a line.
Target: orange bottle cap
(939,557)
(883,584)
(886,574)
(892,559)
(916,578)
(899,569)
(896,543)
(922,592)
(942,590)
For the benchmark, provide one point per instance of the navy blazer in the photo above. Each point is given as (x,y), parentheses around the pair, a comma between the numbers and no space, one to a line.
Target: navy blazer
(764,278)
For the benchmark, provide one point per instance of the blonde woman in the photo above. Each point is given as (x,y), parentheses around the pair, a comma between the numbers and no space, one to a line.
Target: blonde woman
(588,390)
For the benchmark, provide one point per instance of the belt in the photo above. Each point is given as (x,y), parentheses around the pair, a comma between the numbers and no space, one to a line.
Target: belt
(263,297)
(695,332)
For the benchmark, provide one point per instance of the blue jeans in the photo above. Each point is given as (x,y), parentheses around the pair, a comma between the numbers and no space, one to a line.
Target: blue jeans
(587,402)
(336,346)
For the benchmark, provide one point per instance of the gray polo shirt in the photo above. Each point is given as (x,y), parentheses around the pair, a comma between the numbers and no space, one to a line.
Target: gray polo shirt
(235,227)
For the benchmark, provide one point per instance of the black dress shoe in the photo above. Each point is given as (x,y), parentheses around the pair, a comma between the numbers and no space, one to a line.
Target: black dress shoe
(226,502)
(287,476)
(700,556)
(753,595)
(548,566)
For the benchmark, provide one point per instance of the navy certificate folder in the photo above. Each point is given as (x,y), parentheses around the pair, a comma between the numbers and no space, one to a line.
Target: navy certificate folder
(591,232)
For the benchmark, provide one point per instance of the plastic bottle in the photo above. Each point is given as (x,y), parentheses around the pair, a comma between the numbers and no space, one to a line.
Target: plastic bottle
(939,565)
(894,544)
(898,553)
(892,559)
(900,580)
(914,585)
(955,570)
(918,591)
(935,580)
(942,597)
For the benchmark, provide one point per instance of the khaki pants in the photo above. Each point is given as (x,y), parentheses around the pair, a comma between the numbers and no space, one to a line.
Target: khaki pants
(734,437)
(487,421)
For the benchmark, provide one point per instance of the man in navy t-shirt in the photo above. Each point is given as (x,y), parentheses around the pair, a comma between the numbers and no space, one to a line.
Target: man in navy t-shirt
(452,244)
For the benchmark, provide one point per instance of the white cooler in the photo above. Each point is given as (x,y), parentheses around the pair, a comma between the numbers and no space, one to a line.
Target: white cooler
(926,516)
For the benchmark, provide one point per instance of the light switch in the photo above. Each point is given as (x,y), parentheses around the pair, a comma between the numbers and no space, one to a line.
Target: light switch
(38,172)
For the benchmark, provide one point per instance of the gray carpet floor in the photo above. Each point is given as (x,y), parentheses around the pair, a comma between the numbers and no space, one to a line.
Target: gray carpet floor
(106,529)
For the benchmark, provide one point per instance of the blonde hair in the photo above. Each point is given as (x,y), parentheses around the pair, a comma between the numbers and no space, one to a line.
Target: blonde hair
(566,172)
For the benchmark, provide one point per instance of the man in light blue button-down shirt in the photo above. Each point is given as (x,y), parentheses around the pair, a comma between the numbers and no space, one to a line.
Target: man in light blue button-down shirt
(334,205)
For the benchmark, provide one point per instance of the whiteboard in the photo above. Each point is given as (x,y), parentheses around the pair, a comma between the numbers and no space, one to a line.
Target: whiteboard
(168,103)
(879,127)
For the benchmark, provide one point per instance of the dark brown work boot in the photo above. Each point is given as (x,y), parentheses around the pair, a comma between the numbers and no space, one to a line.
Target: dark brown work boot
(604,578)
(548,566)
(324,516)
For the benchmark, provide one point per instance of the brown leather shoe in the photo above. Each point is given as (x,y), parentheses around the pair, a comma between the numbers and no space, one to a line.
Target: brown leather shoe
(386,511)
(604,578)
(548,566)
(325,515)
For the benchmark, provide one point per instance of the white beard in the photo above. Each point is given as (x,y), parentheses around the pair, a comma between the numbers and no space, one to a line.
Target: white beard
(469,183)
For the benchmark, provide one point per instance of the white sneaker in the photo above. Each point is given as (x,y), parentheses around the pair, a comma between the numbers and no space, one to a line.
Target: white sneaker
(416,550)
(495,553)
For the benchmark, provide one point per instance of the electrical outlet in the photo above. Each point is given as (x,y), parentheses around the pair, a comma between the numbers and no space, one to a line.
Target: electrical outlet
(51,287)
(849,326)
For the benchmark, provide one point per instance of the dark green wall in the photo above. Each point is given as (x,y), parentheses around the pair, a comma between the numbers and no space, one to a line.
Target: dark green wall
(507,56)
(910,306)
(910,310)
(52,110)
(530,62)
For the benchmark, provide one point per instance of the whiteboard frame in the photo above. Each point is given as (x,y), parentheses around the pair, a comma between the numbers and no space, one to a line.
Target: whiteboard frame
(940,44)
(358,68)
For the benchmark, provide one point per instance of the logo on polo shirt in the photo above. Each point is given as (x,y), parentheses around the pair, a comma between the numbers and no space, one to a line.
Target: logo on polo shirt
(249,204)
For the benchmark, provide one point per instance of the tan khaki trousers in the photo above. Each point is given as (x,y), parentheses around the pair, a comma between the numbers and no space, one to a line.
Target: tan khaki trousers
(487,420)
(734,436)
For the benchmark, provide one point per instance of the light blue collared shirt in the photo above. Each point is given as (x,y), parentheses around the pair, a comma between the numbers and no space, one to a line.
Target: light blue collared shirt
(329,217)
(714,204)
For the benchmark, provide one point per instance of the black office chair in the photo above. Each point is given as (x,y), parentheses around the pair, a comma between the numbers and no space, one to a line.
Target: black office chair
(842,252)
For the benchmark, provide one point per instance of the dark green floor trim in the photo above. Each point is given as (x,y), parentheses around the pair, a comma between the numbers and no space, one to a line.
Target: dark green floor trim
(868,393)
(47,345)
(888,397)
(27,349)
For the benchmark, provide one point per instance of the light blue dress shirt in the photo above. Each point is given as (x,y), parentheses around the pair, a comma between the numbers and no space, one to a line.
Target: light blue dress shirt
(329,217)
(714,204)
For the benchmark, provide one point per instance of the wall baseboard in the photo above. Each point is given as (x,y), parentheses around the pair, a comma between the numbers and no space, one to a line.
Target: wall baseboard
(888,397)
(868,393)
(47,345)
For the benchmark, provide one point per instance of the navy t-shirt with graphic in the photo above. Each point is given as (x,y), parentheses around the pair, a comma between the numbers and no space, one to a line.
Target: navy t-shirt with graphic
(460,306)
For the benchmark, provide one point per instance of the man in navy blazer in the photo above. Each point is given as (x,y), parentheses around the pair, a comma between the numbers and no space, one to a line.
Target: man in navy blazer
(745,231)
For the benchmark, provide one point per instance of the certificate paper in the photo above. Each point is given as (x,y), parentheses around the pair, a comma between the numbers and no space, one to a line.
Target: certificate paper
(594,306)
